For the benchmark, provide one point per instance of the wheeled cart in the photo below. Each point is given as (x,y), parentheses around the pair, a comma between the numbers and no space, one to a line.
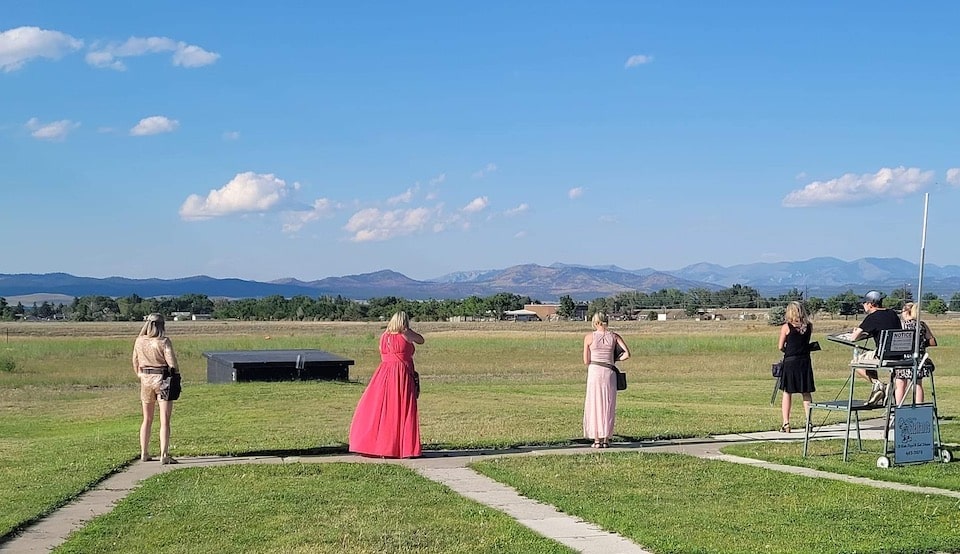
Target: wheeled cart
(915,426)
(896,351)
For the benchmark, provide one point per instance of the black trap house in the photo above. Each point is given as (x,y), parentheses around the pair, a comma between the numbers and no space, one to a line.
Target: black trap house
(275,365)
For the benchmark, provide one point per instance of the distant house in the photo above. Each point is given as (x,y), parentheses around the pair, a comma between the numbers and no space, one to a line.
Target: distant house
(548,312)
(521,315)
(543,311)
(189,316)
(709,315)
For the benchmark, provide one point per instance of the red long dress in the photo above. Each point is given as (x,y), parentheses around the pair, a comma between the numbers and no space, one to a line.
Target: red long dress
(386,421)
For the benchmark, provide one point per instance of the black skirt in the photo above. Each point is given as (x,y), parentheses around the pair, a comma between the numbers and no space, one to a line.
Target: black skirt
(797,375)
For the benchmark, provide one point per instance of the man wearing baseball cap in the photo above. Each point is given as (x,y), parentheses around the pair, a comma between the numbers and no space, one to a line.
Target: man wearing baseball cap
(878,319)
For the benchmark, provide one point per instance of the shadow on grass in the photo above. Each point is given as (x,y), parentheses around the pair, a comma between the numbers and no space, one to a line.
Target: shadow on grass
(429,451)
(436,450)
(291,452)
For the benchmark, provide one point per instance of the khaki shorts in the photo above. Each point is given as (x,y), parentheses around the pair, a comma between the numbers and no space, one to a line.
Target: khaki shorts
(150,387)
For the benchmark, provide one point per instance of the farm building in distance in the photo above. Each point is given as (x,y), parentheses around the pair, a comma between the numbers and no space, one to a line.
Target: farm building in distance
(548,312)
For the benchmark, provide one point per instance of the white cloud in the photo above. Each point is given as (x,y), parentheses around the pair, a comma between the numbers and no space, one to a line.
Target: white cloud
(953,176)
(895,182)
(154,125)
(231,135)
(434,184)
(22,44)
(295,220)
(189,55)
(476,205)
(104,59)
(487,169)
(246,193)
(184,55)
(520,235)
(55,131)
(575,192)
(404,197)
(373,224)
(518,210)
(638,59)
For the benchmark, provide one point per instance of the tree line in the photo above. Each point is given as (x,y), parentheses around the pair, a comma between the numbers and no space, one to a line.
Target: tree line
(625,305)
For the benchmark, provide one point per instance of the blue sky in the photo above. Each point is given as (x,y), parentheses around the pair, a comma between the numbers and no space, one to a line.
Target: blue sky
(315,139)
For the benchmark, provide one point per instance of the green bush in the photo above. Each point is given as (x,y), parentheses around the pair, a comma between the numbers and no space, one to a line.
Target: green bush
(777,315)
(7,364)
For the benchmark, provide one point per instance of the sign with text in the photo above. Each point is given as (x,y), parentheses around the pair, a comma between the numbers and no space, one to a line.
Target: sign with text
(902,341)
(913,435)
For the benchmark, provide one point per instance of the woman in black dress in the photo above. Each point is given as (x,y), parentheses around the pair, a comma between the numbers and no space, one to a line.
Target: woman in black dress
(797,369)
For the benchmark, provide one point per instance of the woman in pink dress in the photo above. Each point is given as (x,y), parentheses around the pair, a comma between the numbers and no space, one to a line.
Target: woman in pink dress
(386,423)
(600,406)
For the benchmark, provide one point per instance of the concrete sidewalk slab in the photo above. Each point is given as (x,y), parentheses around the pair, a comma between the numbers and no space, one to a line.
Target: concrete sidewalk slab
(807,472)
(542,518)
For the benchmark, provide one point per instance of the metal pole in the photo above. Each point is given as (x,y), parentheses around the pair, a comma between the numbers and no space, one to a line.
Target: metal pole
(940,452)
(916,338)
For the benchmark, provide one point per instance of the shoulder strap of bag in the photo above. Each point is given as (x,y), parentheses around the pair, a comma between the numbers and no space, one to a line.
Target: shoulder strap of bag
(606,365)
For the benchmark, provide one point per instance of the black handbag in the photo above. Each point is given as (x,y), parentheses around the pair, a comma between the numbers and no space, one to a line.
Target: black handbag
(621,379)
(170,386)
(777,370)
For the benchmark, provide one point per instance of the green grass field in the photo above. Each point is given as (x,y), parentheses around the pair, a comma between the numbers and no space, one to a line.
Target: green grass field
(679,504)
(307,508)
(69,410)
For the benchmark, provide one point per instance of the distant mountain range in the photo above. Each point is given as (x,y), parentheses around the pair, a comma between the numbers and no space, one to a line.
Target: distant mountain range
(821,277)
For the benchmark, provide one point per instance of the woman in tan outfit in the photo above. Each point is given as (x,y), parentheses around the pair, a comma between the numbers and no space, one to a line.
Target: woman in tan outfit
(600,405)
(153,359)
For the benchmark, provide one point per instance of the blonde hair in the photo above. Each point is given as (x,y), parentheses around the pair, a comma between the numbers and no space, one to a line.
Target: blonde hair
(399,323)
(153,326)
(601,318)
(910,311)
(796,315)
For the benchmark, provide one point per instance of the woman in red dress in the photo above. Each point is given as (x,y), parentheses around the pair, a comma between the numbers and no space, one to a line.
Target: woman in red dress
(386,423)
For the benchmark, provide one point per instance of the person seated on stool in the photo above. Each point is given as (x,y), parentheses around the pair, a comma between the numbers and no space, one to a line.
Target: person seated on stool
(877,320)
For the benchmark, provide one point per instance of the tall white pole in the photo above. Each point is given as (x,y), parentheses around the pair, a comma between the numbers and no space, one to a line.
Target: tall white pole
(923,248)
(916,338)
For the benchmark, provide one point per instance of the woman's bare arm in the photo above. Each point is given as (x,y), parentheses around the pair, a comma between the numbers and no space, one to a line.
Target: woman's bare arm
(413,336)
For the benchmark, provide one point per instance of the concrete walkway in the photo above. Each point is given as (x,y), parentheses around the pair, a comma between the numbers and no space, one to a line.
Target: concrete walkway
(450,468)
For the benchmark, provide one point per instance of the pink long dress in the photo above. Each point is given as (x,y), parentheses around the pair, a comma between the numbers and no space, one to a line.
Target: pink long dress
(386,421)
(600,406)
